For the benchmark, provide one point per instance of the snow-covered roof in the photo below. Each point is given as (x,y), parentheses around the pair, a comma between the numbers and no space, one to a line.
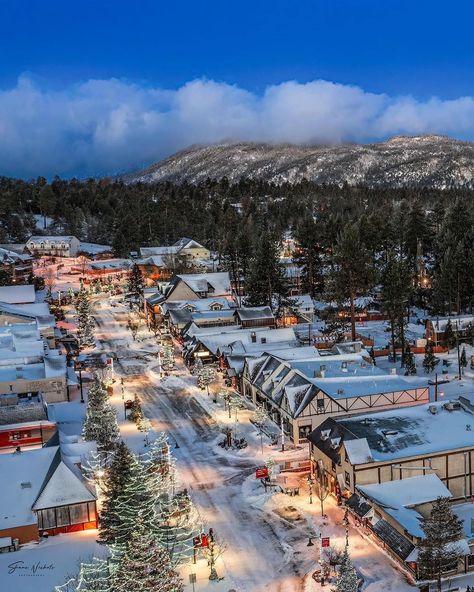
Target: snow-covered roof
(254,313)
(62,489)
(219,282)
(158,251)
(457,322)
(225,340)
(9,256)
(358,451)
(109,264)
(304,301)
(411,431)
(22,476)
(187,243)
(400,498)
(199,305)
(94,249)
(17,294)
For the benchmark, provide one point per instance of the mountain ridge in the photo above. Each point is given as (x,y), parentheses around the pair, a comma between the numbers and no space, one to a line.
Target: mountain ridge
(401,161)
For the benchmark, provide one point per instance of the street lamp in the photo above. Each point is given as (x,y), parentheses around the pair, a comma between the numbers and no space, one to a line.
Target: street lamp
(310,488)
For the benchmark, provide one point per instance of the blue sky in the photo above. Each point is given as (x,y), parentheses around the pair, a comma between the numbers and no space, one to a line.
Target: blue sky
(399,55)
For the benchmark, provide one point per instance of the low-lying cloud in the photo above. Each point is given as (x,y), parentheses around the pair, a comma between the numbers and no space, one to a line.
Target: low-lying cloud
(106,126)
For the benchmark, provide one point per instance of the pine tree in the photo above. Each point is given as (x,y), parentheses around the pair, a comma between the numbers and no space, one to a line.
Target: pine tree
(463,359)
(206,376)
(352,272)
(118,475)
(347,580)
(409,360)
(145,566)
(198,366)
(449,339)
(308,256)
(266,284)
(101,419)
(395,293)
(136,412)
(135,499)
(437,551)
(85,320)
(430,360)
(135,284)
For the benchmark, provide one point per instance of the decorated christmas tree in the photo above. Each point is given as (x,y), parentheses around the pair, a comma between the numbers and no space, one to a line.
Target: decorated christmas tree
(135,499)
(92,577)
(101,419)
(347,580)
(198,366)
(118,474)
(85,321)
(177,520)
(145,566)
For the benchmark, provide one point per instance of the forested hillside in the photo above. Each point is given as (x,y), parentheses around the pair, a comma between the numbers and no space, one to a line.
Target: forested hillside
(432,228)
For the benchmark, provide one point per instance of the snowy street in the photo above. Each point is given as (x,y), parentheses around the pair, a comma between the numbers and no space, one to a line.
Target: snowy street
(266,534)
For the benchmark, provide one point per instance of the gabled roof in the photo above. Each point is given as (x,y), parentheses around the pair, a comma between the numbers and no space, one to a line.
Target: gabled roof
(187,243)
(218,282)
(62,489)
(23,476)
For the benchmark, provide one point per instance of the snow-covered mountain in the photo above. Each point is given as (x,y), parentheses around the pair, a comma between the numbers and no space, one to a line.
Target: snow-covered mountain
(428,161)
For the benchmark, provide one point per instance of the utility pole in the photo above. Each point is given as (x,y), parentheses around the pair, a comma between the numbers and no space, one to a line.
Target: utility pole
(457,347)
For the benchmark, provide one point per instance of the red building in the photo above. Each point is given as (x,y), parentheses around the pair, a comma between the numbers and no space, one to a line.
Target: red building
(33,433)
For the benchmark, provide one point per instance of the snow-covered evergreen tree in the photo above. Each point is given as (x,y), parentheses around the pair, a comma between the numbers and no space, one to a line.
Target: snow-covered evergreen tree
(206,376)
(135,283)
(198,366)
(429,361)
(145,566)
(117,476)
(92,577)
(135,499)
(168,355)
(136,413)
(463,359)
(85,321)
(101,419)
(347,580)
(177,520)
(410,366)
(437,551)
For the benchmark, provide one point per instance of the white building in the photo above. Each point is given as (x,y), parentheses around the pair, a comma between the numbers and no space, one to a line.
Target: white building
(56,246)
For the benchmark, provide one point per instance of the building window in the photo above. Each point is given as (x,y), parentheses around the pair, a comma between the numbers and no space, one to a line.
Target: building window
(347,479)
(320,405)
(304,431)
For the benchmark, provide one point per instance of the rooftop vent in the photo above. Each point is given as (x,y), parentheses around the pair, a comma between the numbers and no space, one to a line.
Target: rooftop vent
(263,340)
(253,337)
(340,391)
(368,420)
(322,367)
(388,433)
(344,367)
(319,373)
(393,371)
(452,405)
